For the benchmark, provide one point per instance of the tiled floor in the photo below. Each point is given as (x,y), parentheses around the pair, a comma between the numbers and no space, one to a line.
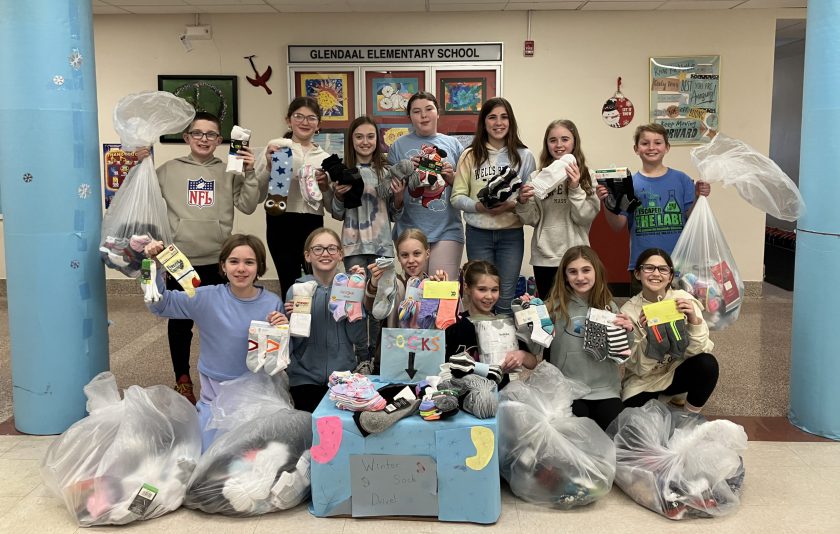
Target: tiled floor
(792,481)
(789,488)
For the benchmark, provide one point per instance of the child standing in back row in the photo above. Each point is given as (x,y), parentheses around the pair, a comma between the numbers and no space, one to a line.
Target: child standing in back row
(666,195)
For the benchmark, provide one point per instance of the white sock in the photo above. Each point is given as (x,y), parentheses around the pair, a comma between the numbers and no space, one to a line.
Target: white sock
(551,177)
(386,289)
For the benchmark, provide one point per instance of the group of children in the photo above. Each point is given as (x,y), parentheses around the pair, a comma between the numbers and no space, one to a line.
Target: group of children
(427,241)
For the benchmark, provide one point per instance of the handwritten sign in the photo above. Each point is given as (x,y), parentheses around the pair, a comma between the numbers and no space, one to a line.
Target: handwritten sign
(384,484)
(666,84)
(411,354)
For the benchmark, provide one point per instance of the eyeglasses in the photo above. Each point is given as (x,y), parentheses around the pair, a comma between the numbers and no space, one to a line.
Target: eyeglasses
(649,268)
(198,134)
(300,117)
(318,250)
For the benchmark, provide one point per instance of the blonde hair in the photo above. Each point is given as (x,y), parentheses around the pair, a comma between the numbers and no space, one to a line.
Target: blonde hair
(318,231)
(558,298)
(412,233)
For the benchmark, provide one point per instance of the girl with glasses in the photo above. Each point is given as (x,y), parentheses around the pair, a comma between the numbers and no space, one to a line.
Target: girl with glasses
(330,345)
(673,357)
(294,198)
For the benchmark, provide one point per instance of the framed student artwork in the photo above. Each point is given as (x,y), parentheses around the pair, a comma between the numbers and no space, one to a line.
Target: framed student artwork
(211,94)
(460,94)
(388,133)
(335,92)
(388,92)
(685,97)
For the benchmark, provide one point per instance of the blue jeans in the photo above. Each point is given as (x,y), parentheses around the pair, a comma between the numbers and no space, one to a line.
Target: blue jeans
(504,249)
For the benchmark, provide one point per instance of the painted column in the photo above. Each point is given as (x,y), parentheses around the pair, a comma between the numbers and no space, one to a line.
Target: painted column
(50,196)
(815,356)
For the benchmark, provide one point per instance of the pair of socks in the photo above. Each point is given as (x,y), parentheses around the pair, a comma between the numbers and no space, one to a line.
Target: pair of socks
(180,268)
(300,322)
(462,364)
(622,197)
(602,339)
(399,405)
(551,177)
(309,190)
(436,313)
(279,179)
(340,174)
(386,289)
(352,311)
(541,330)
(500,188)
(410,307)
(667,339)
(440,406)
(476,394)
(404,170)
(148,281)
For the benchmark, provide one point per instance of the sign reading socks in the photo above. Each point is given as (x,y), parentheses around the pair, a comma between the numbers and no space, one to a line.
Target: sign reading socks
(409,354)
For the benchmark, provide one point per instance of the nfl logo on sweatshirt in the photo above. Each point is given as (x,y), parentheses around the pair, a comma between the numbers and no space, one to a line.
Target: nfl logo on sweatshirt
(201,193)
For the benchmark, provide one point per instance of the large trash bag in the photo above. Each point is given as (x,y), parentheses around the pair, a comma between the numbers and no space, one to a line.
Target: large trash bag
(705,267)
(137,213)
(547,455)
(259,460)
(757,178)
(129,459)
(677,463)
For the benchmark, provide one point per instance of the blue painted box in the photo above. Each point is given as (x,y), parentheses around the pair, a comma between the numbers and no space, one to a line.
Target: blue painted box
(464,448)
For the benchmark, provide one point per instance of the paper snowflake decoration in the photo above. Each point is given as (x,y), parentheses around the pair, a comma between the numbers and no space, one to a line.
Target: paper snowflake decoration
(27,177)
(84,191)
(75,59)
(75,264)
(58,80)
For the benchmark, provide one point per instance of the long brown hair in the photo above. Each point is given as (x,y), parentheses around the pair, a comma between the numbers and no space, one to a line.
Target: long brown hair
(512,141)
(377,160)
(302,102)
(558,298)
(546,158)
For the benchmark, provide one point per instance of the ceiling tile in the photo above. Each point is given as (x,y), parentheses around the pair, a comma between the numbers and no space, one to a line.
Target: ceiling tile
(700,4)
(543,6)
(161,3)
(466,7)
(159,10)
(386,6)
(109,10)
(629,5)
(767,4)
(229,9)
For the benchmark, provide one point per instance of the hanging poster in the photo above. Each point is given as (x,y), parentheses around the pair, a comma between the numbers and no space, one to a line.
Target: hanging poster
(116,162)
(685,96)
(335,93)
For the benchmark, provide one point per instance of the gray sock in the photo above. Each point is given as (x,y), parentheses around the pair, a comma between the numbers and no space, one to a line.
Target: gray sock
(658,343)
(386,292)
(376,422)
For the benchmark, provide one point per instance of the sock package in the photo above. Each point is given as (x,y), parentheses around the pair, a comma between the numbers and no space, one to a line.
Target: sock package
(268,347)
(180,268)
(533,320)
(619,183)
(666,330)
(410,306)
(301,319)
(551,177)
(346,296)
(239,139)
(602,339)
(429,169)
(148,281)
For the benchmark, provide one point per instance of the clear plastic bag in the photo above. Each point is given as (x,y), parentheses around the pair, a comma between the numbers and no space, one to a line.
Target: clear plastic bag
(259,460)
(137,213)
(704,266)
(757,178)
(547,455)
(129,459)
(677,463)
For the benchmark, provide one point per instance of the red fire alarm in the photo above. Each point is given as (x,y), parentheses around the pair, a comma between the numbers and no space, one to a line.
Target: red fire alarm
(529,48)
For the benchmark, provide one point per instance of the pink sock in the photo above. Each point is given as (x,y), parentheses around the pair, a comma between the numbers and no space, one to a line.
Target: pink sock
(354,310)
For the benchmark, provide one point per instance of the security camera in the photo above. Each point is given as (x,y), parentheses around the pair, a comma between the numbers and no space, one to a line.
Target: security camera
(185,42)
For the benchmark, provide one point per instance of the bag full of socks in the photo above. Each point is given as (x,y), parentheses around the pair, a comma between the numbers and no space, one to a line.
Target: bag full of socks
(677,463)
(547,455)
(259,460)
(704,266)
(129,460)
(137,214)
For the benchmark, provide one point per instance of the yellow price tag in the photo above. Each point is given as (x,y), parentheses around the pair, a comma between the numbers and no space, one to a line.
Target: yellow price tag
(440,290)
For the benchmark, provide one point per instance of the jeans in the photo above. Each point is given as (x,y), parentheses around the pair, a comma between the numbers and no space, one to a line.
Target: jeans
(504,249)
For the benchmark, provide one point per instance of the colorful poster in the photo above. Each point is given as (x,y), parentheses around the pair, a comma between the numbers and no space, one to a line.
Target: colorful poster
(685,97)
(331,92)
(116,164)
(388,133)
(390,95)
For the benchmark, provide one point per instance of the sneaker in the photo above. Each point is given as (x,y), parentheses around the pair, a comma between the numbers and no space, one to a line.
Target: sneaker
(184,386)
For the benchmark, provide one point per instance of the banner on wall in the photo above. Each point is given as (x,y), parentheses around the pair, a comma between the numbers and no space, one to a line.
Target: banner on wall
(685,96)
(420,53)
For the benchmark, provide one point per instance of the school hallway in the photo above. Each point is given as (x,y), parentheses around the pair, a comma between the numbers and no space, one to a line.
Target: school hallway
(792,478)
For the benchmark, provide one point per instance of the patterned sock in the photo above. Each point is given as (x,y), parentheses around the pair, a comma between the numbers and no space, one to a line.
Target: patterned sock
(409,307)
(428,309)
(595,340)
(279,180)
(337,307)
(174,261)
(386,289)
(658,343)
(618,344)
(545,319)
(354,310)
(309,189)
(447,313)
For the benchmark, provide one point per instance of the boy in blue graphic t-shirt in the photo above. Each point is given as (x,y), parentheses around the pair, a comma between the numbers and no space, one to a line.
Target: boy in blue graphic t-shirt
(666,197)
